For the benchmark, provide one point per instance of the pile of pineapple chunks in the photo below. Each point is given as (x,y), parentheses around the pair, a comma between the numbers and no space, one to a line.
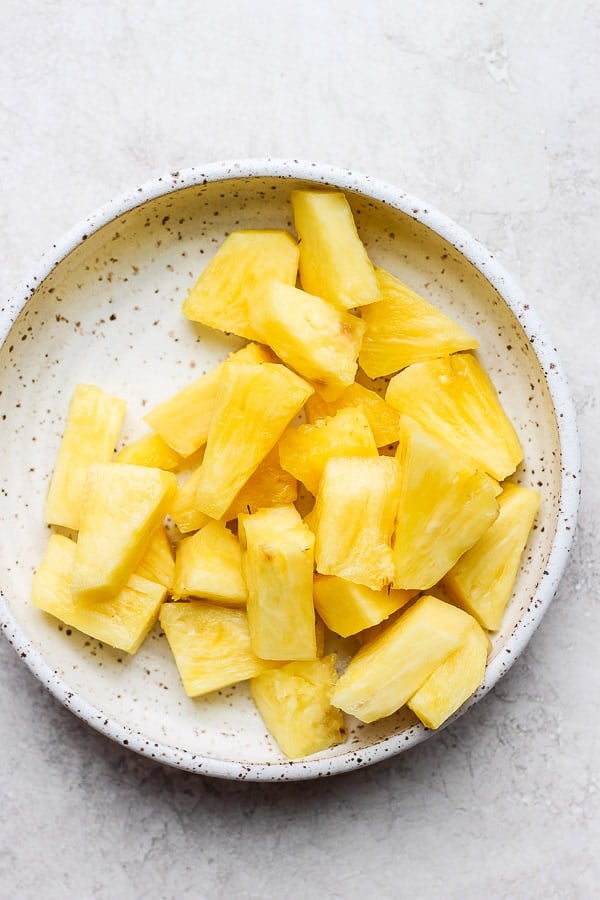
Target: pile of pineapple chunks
(384,520)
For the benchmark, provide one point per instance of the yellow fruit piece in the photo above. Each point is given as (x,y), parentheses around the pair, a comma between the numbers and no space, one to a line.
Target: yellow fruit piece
(209,564)
(210,644)
(391,667)
(333,261)
(183,508)
(482,581)
(454,681)
(158,563)
(454,399)
(255,403)
(149,450)
(93,424)
(383,418)
(122,506)
(446,503)
(243,264)
(294,702)
(269,485)
(403,328)
(347,608)
(278,565)
(122,621)
(353,519)
(304,451)
(311,336)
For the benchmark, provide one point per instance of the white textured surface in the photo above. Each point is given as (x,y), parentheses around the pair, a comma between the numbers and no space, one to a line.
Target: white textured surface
(488,110)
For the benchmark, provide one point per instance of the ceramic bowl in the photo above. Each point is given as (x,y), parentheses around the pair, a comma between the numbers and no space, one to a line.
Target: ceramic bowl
(104,307)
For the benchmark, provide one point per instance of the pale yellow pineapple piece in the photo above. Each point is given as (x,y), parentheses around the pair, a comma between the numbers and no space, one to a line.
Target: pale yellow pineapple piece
(403,328)
(454,681)
(209,564)
(183,508)
(310,335)
(121,508)
(333,260)
(294,702)
(158,563)
(391,667)
(383,418)
(446,503)
(304,451)
(483,579)
(243,264)
(453,398)
(210,644)
(122,620)
(353,519)
(278,566)
(149,450)
(347,608)
(93,424)
(255,403)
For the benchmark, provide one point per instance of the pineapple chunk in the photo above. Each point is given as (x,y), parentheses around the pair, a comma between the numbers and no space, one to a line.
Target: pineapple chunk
(294,702)
(121,508)
(122,620)
(304,451)
(445,505)
(93,424)
(157,563)
(383,418)
(278,566)
(311,336)
(353,519)
(149,450)
(333,261)
(482,580)
(391,667)
(209,564)
(211,645)
(183,508)
(243,264)
(347,608)
(454,399)
(255,403)
(403,328)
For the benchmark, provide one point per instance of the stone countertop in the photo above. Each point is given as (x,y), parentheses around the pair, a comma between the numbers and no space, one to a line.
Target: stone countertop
(490,111)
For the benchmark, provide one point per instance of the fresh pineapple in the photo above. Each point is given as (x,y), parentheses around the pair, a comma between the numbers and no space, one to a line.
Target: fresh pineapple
(383,418)
(210,644)
(482,580)
(391,667)
(255,403)
(183,508)
(121,508)
(93,424)
(294,702)
(269,485)
(403,328)
(278,565)
(243,264)
(333,261)
(347,608)
(304,451)
(353,519)
(122,620)
(158,563)
(311,336)
(209,564)
(446,504)
(453,398)
(149,450)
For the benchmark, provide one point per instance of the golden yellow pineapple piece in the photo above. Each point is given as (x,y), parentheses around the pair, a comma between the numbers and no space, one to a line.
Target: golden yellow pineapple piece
(482,580)
(209,564)
(453,398)
(121,508)
(183,508)
(383,418)
(149,450)
(446,504)
(93,424)
(303,451)
(269,485)
(294,702)
(347,608)
(210,644)
(310,335)
(158,563)
(391,667)
(278,565)
(122,620)
(333,261)
(353,519)
(255,403)
(403,328)
(243,264)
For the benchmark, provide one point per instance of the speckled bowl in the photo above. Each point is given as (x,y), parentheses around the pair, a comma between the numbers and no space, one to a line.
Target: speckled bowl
(103,306)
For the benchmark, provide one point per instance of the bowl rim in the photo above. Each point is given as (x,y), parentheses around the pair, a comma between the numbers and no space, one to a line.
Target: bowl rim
(485,262)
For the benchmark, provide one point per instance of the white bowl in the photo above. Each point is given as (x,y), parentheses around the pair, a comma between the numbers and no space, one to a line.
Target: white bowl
(103,306)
